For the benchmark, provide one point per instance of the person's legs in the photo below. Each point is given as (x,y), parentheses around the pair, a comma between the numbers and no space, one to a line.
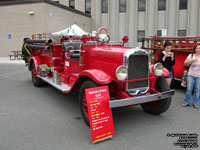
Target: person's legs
(190,86)
(196,91)
(169,79)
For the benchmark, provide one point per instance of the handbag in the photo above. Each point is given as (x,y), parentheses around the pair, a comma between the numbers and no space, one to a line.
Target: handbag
(184,77)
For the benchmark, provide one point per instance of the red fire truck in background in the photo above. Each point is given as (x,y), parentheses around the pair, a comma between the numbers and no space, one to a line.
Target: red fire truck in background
(181,47)
(78,63)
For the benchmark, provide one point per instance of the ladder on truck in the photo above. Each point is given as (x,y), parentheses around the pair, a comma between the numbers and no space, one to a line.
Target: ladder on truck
(179,44)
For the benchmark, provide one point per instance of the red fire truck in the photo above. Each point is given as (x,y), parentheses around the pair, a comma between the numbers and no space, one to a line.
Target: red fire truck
(86,62)
(181,47)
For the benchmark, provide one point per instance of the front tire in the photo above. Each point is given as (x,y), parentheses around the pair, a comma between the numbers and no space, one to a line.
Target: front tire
(36,81)
(160,106)
(83,100)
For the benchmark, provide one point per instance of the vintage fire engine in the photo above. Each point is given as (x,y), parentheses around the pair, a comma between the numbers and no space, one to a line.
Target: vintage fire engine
(181,47)
(86,62)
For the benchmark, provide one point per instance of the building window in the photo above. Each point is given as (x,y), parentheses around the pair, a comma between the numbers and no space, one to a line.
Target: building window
(104,6)
(71,4)
(159,32)
(161,5)
(141,35)
(88,6)
(122,5)
(182,4)
(181,32)
(141,5)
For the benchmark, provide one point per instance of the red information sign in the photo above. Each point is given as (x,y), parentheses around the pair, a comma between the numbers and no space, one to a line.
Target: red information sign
(100,115)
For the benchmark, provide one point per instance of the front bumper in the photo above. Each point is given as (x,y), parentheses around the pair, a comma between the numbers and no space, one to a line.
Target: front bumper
(140,99)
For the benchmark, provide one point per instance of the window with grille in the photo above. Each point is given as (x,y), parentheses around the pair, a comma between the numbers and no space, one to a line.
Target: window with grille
(161,5)
(71,4)
(88,6)
(181,32)
(104,6)
(122,5)
(141,5)
(182,4)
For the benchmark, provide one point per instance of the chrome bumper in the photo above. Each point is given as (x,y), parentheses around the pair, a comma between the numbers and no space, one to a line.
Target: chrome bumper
(140,99)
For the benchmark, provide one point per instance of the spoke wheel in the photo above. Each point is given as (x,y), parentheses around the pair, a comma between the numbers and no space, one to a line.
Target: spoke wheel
(84,105)
(34,74)
(83,100)
(36,81)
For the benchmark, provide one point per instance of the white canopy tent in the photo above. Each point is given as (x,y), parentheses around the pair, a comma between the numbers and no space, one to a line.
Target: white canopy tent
(74,30)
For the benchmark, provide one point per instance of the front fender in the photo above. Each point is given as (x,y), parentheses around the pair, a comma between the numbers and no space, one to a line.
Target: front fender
(36,60)
(98,76)
(165,71)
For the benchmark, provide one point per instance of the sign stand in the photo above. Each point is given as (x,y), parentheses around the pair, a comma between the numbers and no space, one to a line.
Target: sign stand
(103,139)
(100,115)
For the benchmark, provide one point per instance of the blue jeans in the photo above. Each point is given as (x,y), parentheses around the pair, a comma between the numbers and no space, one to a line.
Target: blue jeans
(192,83)
(170,76)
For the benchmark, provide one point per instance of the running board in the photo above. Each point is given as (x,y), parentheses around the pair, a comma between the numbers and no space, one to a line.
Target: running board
(61,86)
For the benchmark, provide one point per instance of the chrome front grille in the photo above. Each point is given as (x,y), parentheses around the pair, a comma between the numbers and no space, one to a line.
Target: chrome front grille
(138,68)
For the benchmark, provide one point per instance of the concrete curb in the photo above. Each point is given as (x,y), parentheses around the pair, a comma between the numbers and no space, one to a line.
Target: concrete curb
(6,60)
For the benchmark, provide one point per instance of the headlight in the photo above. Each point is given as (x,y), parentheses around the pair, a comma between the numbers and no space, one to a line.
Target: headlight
(121,73)
(102,35)
(158,69)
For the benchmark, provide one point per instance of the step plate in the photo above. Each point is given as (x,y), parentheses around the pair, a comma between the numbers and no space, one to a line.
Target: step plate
(61,86)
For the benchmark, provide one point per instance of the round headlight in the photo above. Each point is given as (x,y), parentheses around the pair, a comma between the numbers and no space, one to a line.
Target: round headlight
(121,73)
(102,35)
(158,69)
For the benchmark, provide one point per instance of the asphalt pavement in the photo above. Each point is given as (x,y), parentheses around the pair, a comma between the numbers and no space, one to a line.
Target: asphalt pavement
(46,119)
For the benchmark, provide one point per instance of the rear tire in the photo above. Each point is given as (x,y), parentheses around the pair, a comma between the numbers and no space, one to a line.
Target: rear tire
(37,82)
(83,100)
(160,106)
